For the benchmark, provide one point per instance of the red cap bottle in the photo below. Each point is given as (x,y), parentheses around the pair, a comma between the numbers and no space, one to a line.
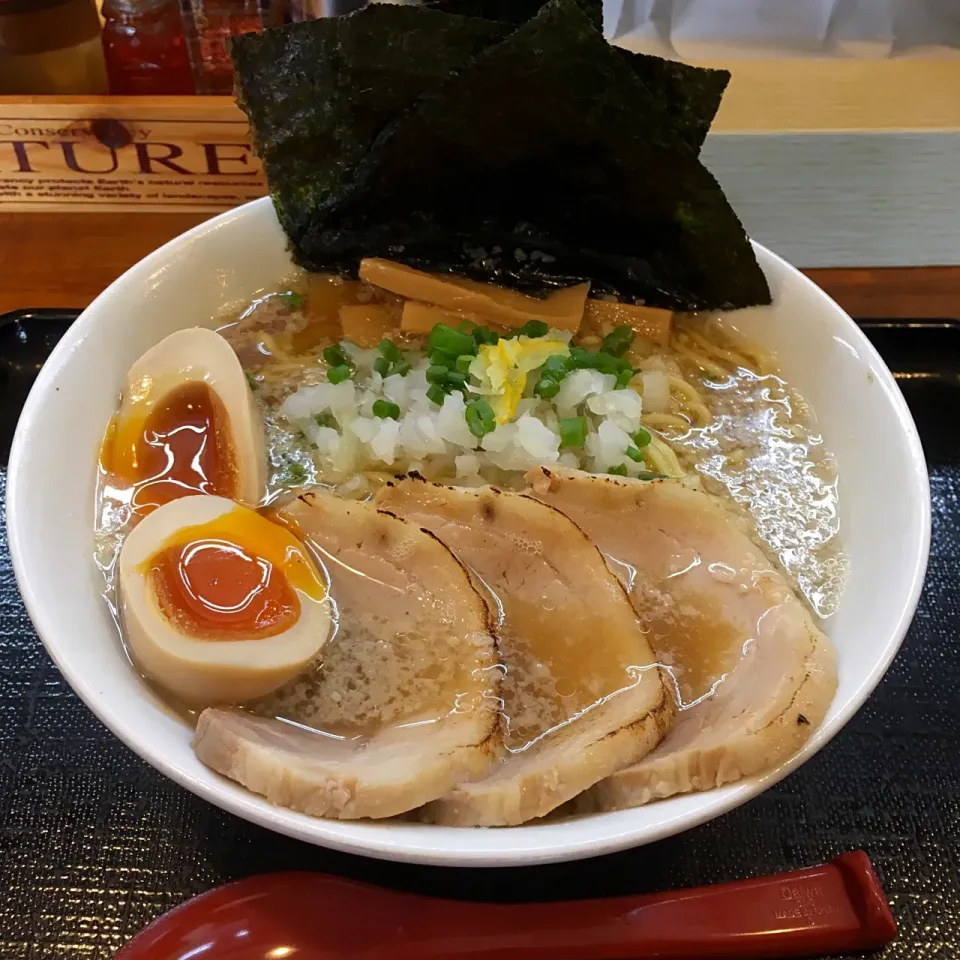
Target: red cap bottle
(145,49)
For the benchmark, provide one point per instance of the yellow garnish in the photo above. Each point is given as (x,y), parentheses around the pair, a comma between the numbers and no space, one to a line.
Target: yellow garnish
(502,370)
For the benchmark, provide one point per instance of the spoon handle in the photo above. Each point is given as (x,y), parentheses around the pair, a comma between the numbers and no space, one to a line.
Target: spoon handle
(834,908)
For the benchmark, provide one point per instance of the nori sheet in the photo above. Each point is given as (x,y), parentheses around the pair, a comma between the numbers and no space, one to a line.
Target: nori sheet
(318,93)
(535,158)
(692,94)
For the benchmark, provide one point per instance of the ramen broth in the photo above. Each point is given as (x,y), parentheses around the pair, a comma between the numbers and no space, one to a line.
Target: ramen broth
(732,425)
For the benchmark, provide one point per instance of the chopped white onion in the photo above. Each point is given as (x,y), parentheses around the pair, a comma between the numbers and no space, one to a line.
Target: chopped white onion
(656,391)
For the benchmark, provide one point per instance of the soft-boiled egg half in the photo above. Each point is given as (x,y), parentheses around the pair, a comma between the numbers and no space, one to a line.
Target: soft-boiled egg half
(187,424)
(219,604)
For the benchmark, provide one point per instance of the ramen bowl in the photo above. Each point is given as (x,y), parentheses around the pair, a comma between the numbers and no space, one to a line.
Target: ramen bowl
(884,527)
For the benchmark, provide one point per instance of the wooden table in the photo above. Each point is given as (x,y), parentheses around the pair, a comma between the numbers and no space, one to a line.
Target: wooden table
(66,259)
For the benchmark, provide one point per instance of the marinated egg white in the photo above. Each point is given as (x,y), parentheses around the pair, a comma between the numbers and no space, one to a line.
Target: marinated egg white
(219,604)
(187,424)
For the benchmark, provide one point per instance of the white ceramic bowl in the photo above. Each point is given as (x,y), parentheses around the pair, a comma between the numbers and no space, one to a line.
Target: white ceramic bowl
(885,527)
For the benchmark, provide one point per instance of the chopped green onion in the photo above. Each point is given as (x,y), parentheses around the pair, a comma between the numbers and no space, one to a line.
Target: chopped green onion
(456,380)
(641,438)
(339,373)
(437,374)
(533,329)
(436,394)
(325,420)
(602,362)
(252,382)
(451,341)
(618,471)
(294,300)
(618,342)
(296,473)
(634,454)
(439,358)
(484,336)
(652,476)
(606,363)
(390,359)
(390,351)
(558,366)
(335,356)
(386,410)
(480,418)
(463,363)
(623,378)
(573,431)
(547,388)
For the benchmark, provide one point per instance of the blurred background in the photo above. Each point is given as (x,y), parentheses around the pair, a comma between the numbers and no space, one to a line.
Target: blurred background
(836,140)
(177,46)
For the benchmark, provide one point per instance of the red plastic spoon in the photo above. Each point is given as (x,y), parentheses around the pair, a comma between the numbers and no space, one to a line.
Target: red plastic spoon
(835,908)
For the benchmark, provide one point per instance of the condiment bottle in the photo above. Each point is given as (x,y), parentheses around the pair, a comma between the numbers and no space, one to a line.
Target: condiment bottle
(144,47)
(215,21)
(50,47)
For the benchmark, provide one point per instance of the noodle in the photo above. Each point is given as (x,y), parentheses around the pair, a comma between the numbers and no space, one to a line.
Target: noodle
(713,356)
(667,421)
(691,401)
(717,351)
(701,360)
(660,458)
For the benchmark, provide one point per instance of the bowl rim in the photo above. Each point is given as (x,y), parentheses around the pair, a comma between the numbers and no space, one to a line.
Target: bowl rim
(337,834)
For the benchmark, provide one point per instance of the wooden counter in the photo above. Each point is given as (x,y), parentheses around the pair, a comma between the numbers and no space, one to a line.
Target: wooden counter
(66,259)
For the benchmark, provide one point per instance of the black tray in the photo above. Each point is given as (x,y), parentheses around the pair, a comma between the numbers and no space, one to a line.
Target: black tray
(94,843)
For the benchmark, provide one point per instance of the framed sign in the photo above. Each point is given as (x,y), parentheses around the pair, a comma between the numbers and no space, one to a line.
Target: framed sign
(115,153)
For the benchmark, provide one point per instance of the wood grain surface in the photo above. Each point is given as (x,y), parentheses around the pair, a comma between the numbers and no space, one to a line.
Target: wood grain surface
(65,260)
(124,154)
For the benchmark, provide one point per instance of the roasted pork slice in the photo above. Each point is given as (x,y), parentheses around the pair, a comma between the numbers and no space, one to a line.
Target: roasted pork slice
(582,696)
(754,676)
(405,703)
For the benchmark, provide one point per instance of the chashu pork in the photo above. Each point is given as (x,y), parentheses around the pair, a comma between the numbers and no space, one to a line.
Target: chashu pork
(581,695)
(754,674)
(407,696)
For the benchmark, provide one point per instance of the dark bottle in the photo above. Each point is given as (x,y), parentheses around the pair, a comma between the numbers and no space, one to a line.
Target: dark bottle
(145,49)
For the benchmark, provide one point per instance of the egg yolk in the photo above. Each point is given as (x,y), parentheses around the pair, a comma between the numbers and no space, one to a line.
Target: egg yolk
(215,590)
(180,447)
(234,578)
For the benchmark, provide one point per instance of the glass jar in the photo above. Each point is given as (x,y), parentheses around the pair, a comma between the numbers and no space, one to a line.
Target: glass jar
(50,47)
(214,21)
(144,47)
